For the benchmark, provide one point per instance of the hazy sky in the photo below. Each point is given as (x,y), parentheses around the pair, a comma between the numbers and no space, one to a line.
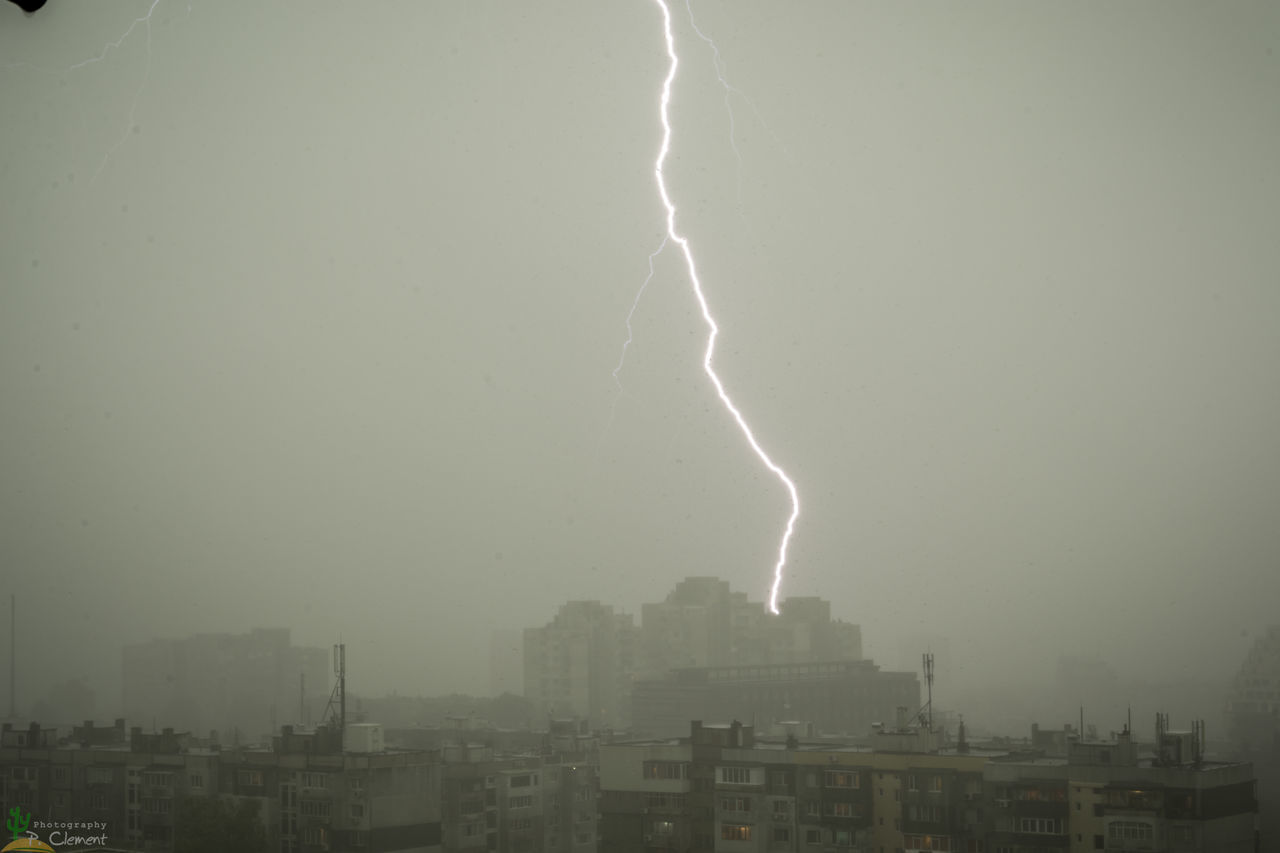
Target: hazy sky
(308,313)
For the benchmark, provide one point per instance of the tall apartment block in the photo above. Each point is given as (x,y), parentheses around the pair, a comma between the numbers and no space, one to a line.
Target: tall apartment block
(581,664)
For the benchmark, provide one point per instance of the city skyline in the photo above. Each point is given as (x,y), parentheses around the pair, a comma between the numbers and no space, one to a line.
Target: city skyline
(310,321)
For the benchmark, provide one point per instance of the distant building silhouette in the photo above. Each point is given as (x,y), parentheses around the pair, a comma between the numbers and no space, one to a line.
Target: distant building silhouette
(586,660)
(703,623)
(581,664)
(242,685)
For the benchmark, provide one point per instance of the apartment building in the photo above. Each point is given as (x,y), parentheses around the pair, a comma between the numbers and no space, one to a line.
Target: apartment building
(722,789)
(581,664)
(243,686)
(836,696)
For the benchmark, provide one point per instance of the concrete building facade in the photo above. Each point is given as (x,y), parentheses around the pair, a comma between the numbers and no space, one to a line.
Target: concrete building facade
(581,664)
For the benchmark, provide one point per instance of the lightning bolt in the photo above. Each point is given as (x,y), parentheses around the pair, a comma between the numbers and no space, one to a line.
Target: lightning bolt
(675,237)
(722,74)
(627,343)
(144,21)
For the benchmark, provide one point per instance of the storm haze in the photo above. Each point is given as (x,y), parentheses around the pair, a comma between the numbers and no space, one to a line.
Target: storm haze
(308,315)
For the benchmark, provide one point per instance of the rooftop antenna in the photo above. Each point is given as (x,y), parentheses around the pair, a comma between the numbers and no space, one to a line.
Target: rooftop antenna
(336,710)
(925,714)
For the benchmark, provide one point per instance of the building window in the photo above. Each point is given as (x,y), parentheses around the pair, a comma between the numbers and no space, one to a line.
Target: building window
(813,836)
(249,778)
(781,809)
(1130,830)
(735,775)
(523,781)
(518,823)
(195,780)
(735,831)
(314,780)
(60,775)
(813,808)
(928,814)
(940,843)
(840,779)
(665,770)
(782,833)
(357,811)
(99,800)
(316,836)
(523,802)
(157,780)
(157,805)
(1040,825)
(60,798)
(314,808)
(840,809)
(911,783)
(935,784)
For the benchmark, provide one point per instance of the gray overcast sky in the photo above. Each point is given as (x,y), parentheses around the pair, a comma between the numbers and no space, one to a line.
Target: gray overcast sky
(308,314)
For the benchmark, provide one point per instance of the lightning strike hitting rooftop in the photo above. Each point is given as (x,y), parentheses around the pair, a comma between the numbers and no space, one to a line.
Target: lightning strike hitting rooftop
(683,243)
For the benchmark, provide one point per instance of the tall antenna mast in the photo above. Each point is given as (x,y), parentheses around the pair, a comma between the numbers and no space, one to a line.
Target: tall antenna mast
(928,678)
(339,694)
